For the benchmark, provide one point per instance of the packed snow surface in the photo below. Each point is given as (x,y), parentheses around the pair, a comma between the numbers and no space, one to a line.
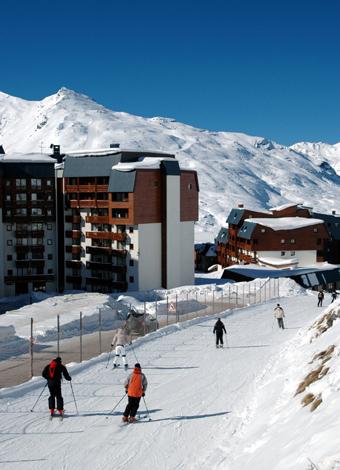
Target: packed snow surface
(232,409)
(232,167)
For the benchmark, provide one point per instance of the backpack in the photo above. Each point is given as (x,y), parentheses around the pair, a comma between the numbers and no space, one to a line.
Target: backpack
(51,369)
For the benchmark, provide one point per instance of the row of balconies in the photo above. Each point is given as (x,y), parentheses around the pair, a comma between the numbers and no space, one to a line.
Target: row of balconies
(30,277)
(121,285)
(76,264)
(86,188)
(29,233)
(76,234)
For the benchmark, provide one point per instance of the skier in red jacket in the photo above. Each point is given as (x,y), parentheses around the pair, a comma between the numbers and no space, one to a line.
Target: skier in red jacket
(135,387)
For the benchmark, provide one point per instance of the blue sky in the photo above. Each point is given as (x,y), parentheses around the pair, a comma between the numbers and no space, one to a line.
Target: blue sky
(268,68)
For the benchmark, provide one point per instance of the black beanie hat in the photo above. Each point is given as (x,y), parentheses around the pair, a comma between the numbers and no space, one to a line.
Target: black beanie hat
(58,359)
(137,366)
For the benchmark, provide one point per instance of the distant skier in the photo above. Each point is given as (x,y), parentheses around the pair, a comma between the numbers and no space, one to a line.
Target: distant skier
(120,339)
(135,386)
(219,328)
(334,295)
(53,373)
(321,296)
(279,314)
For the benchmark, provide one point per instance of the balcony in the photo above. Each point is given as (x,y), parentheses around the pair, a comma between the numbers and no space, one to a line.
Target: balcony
(74,279)
(86,188)
(106,236)
(25,248)
(100,266)
(99,250)
(75,234)
(73,219)
(74,249)
(73,264)
(29,233)
(30,277)
(97,219)
(30,263)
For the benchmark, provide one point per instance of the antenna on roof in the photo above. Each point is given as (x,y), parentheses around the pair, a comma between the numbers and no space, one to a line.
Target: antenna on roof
(2,150)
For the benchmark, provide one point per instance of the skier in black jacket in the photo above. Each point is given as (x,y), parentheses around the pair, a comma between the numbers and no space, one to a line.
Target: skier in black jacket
(53,373)
(219,328)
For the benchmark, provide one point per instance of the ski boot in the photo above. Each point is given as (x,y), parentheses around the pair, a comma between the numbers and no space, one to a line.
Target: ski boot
(125,419)
(132,419)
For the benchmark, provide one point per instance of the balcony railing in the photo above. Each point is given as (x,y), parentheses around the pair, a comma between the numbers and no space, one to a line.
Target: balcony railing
(74,249)
(30,277)
(73,264)
(73,219)
(98,250)
(106,236)
(97,219)
(30,263)
(76,234)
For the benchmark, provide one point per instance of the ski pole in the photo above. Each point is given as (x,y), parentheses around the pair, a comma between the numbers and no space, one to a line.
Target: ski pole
(147,409)
(108,359)
(113,409)
(42,391)
(74,398)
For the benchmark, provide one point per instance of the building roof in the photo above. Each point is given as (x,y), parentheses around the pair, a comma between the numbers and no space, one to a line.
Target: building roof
(89,165)
(122,181)
(223,236)
(235,216)
(332,222)
(284,223)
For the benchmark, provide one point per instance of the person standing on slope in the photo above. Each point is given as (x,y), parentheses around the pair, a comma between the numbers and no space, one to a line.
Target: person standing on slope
(219,328)
(135,386)
(120,339)
(321,296)
(53,373)
(279,314)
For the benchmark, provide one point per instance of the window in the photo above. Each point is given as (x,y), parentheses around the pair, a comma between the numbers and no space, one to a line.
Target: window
(49,226)
(283,240)
(20,183)
(33,196)
(130,229)
(9,242)
(9,228)
(131,246)
(21,211)
(292,240)
(36,183)
(49,212)
(37,241)
(36,211)
(131,263)
(49,197)
(9,257)
(21,197)
(131,279)
(283,253)
(49,241)
(50,256)
(315,230)
(10,272)
(49,182)
(120,197)
(8,183)
(8,197)
(263,230)
(50,271)
(189,186)
(36,227)
(9,212)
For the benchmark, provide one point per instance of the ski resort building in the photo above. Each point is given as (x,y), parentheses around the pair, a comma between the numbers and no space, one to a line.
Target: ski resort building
(289,236)
(102,221)
(28,241)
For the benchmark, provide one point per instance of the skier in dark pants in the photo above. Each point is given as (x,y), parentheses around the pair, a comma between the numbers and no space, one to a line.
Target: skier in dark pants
(53,373)
(334,295)
(321,296)
(135,386)
(279,314)
(219,328)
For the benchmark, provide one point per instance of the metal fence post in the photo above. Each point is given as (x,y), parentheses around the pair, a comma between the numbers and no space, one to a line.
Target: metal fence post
(222,303)
(81,337)
(213,301)
(144,316)
(58,335)
(236,295)
(167,310)
(187,306)
(243,295)
(156,310)
(100,329)
(229,294)
(31,347)
(177,315)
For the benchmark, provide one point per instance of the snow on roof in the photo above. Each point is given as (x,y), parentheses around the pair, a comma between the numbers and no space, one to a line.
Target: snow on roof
(285,206)
(27,157)
(272,261)
(285,223)
(143,162)
(108,151)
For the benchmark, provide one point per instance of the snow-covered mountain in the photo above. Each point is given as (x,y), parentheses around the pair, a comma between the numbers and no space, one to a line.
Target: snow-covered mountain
(233,168)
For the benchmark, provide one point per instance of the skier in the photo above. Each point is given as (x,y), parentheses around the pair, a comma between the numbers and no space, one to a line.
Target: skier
(334,295)
(135,386)
(321,296)
(219,328)
(53,373)
(279,314)
(120,339)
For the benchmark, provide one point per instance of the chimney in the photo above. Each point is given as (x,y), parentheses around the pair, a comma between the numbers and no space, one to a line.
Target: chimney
(240,206)
(333,212)
(2,150)
(56,153)
(114,146)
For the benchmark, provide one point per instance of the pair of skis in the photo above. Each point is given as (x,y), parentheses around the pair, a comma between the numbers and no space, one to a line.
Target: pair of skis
(60,416)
